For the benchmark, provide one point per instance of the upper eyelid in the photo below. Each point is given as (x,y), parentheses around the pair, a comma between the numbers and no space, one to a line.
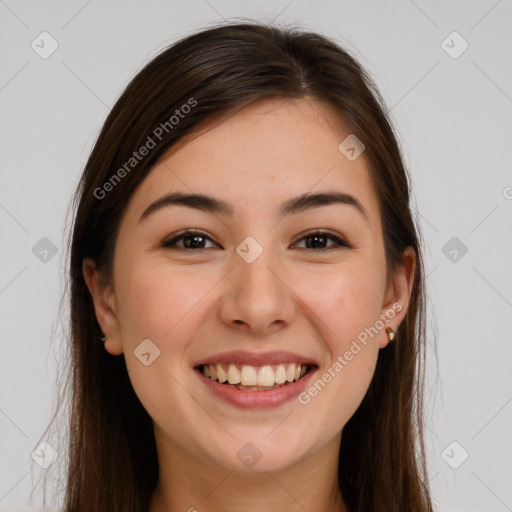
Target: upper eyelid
(322,232)
(185,234)
(172,241)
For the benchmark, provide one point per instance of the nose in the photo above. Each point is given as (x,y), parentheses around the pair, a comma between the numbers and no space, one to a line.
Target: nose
(257,298)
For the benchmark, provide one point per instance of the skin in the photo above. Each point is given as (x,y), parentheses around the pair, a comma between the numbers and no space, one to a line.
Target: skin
(194,303)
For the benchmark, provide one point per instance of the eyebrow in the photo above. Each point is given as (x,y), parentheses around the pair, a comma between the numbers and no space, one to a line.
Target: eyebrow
(211,204)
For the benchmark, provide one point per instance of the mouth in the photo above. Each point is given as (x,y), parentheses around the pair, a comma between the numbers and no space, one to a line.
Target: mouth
(250,380)
(255,378)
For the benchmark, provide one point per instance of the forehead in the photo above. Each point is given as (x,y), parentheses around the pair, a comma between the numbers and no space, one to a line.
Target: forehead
(261,156)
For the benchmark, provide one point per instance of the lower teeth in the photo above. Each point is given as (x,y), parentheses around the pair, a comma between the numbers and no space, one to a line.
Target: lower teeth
(255,388)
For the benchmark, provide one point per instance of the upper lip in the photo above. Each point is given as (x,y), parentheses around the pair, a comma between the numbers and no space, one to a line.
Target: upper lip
(242,357)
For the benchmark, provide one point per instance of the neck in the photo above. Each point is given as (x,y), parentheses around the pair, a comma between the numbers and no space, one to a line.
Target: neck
(187,484)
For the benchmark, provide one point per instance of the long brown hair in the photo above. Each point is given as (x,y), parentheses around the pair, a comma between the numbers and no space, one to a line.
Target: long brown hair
(112,462)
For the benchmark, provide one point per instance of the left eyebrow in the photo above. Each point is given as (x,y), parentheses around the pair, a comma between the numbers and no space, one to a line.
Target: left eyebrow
(295,205)
(307,200)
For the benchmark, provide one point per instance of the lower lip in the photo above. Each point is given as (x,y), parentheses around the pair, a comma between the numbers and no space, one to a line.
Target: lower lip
(257,399)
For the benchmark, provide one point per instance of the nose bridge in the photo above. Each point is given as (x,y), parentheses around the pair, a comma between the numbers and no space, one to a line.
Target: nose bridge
(254,275)
(257,295)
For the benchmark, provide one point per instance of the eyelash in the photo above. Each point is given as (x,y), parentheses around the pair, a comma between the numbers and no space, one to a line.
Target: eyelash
(171,244)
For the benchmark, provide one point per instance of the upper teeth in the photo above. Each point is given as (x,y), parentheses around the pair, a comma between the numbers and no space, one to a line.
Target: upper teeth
(255,375)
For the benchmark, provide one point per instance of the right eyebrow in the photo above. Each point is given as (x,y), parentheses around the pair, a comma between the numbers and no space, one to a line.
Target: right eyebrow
(199,201)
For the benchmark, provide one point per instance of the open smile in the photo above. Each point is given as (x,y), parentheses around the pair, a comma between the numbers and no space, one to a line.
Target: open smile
(256,385)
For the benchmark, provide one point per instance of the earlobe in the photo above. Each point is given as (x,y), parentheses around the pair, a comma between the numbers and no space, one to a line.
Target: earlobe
(397,296)
(104,307)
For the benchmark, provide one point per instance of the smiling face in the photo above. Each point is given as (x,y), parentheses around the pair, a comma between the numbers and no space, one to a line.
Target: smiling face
(255,288)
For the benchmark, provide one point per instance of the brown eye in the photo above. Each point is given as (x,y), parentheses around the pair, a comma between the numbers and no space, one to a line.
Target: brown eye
(319,239)
(192,240)
(196,240)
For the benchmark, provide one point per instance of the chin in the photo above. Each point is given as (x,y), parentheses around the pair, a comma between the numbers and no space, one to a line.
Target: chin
(258,453)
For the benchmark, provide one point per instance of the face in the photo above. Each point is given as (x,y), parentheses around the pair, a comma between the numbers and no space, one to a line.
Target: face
(261,285)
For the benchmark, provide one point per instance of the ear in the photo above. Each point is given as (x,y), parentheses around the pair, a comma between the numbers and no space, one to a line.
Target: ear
(104,306)
(397,295)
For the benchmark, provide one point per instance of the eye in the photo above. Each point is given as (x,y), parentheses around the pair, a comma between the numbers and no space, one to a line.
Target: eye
(191,240)
(318,239)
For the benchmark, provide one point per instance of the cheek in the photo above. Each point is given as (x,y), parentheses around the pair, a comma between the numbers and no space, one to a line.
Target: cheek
(158,301)
(161,304)
(347,303)
(347,306)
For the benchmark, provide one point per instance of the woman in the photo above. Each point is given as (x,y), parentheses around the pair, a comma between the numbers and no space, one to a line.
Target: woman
(247,303)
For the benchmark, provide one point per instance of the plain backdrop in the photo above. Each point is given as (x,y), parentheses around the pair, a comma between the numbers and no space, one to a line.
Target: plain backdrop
(445,71)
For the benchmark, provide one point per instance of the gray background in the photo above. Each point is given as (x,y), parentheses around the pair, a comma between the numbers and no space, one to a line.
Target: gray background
(454,120)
